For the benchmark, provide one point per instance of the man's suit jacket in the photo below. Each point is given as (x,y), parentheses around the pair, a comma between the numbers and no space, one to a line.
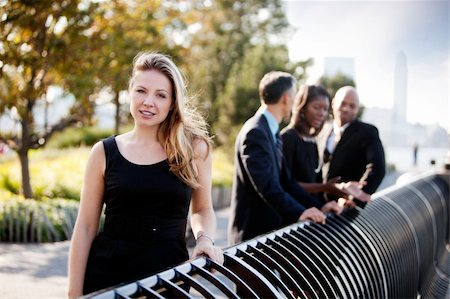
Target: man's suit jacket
(359,155)
(263,197)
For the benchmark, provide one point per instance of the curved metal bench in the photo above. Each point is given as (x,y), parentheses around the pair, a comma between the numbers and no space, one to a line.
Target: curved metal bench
(396,247)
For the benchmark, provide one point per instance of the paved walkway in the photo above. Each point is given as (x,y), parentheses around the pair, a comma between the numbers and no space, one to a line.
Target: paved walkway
(40,270)
(33,270)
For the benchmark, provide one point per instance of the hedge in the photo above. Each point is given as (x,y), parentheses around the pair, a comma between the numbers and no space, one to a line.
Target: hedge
(49,220)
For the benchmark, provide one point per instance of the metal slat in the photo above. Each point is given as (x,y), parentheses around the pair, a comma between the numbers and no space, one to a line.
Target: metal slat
(355,247)
(175,291)
(196,285)
(240,283)
(403,249)
(295,276)
(352,260)
(309,280)
(216,282)
(328,254)
(321,280)
(148,292)
(264,270)
(352,269)
(375,245)
(333,273)
(258,282)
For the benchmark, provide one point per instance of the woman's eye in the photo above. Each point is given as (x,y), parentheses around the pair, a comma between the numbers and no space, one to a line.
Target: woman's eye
(161,95)
(140,90)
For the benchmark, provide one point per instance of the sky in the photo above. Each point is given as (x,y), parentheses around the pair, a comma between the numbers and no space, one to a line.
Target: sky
(373,33)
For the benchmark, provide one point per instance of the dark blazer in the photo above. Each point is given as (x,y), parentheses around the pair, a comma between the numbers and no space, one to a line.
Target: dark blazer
(302,158)
(264,198)
(359,155)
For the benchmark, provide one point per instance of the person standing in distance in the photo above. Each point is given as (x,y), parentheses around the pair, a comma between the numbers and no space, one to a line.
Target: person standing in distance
(353,149)
(265,196)
(148,178)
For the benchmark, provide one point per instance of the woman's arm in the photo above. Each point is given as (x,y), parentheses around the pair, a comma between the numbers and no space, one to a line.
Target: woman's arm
(313,187)
(203,219)
(87,222)
(331,187)
(337,189)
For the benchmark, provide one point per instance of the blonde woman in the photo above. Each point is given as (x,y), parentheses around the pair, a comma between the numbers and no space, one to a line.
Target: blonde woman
(148,178)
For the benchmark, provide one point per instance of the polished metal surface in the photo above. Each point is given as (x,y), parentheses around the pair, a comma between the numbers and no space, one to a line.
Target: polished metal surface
(396,247)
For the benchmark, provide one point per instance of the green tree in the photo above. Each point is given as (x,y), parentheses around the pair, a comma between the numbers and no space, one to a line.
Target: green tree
(219,36)
(333,83)
(127,28)
(240,99)
(38,39)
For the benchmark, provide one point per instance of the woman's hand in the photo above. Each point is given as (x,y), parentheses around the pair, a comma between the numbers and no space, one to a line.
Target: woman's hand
(349,190)
(333,187)
(355,196)
(331,207)
(353,190)
(313,214)
(346,203)
(206,247)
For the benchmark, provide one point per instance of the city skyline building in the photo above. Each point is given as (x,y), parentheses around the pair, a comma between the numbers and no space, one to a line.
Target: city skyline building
(343,65)
(400,103)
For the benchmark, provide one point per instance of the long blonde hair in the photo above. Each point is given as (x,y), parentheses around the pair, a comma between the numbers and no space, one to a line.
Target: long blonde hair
(183,124)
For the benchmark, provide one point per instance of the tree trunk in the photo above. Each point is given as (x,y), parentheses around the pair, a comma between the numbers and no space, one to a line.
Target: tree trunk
(117,116)
(26,184)
(23,157)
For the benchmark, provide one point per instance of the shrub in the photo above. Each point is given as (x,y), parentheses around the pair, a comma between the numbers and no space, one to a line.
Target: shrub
(74,137)
(54,173)
(48,220)
(7,183)
(222,169)
(59,172)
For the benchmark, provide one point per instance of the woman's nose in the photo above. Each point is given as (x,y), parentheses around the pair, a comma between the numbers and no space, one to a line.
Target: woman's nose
(148,101)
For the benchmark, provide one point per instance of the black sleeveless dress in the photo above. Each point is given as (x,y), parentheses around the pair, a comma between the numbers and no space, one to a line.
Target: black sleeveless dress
(145,223)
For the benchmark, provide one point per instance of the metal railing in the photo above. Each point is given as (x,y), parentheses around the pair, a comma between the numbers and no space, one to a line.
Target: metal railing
(396,247)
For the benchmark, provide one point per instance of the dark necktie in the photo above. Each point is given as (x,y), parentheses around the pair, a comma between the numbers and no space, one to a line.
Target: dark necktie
(279,145)
(327,155)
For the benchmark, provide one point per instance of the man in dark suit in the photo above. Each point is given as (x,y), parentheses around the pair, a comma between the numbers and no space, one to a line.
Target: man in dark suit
(353,148)
(264,196)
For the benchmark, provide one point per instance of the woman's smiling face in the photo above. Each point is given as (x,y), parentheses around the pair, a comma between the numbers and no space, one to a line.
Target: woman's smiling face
(151,98)
(316,112)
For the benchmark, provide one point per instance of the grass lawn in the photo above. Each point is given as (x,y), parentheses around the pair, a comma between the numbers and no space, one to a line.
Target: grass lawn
(59,172)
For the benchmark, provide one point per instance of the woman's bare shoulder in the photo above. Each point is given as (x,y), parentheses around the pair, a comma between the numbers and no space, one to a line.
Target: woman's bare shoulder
(201,147)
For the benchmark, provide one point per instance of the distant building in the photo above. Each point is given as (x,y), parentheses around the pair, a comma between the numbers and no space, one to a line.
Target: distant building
(405,134)
(344,65)
(394,128)
(400,89)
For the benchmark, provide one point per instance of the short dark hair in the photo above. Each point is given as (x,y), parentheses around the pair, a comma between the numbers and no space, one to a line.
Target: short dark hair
(273,85)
